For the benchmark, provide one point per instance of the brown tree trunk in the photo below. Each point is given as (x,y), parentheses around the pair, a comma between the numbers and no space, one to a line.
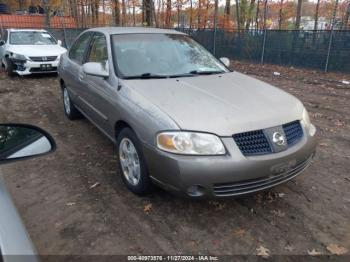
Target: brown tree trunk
(103,12)
(237,16)
(123,13)
(227,13)
(199,15)
(250,11)
(133,13)
(265,13)
(280,20)
(116,12)
(316,14)
(191,13)
(257,15)
(178,13)
(298,15)
(147,12)
(206,14)
(168,14)
(153,11)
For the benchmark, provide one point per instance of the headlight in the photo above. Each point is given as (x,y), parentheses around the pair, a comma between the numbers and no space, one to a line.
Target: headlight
(190,143)
(18,56)
(306,118)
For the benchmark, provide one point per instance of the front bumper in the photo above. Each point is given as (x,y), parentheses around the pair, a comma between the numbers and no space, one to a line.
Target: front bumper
(27,67)
(230,175)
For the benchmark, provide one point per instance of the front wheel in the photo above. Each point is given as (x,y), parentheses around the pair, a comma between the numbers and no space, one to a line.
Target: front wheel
(132,164)
(69,109)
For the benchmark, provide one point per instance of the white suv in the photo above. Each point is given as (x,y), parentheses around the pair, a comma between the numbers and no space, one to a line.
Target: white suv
(28,51)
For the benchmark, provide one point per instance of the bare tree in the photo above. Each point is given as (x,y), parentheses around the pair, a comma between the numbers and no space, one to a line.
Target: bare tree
(116,12)
(191,13)
(123,12)
(257,15)
(153,12)
(206,14)
(250,16)
(103,12)
(237,16)
(280,20)
(316,14)
(199,10)
(227,12)
(168,14)
(147,8)
(298,15)
(178,12)
(134,12)
(265,13)
(47,11)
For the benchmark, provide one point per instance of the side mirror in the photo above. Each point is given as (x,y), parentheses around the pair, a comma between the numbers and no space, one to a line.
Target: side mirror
(225,61)
(59,42)
(96,69)
(20,141)
(2,42)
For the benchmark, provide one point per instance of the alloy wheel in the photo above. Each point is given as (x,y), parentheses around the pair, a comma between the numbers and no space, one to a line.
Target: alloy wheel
(130,161)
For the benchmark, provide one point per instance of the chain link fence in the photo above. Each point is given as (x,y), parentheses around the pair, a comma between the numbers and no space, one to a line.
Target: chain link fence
(308,49)
(323,50)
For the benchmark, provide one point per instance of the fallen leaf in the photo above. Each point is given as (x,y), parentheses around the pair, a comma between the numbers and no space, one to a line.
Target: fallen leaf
(95,185)
(239,232)
(336,249)
(313,252)
(289,248)
(263,251)
(217,205)
(147,208)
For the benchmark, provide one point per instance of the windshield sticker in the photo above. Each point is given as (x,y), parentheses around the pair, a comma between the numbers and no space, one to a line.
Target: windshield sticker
(46,35)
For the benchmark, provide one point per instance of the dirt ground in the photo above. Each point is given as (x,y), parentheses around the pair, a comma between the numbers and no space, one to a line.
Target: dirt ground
(65,214)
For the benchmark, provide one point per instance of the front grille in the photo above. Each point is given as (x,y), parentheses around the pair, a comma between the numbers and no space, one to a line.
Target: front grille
(252,185)
(43,58)
(256,143)
(252,143)
(293,132)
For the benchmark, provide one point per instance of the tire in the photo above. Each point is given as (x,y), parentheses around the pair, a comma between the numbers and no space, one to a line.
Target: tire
(9,67)
(70,110)
(132,164)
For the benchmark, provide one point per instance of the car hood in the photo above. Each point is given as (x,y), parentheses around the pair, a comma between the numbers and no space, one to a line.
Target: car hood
(221,104)
(37,50)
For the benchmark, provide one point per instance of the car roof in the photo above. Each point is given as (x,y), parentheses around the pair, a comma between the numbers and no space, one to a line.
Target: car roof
(133,30)
(28,30)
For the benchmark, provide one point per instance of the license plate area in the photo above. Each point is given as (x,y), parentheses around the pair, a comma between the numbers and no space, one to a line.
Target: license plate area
(46,67)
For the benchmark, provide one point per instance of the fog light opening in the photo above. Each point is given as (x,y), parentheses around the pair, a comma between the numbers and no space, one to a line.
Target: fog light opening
(195,191)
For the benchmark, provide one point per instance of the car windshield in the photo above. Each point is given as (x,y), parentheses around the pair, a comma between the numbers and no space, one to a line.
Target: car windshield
(31,38)
(162,55)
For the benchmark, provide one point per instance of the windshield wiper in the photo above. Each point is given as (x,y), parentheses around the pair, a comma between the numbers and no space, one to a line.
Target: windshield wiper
(181,75)
(146,76)
(196,72)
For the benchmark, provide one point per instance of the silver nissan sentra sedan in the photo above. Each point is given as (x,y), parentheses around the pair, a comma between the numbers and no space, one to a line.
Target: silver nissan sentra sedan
(180,118)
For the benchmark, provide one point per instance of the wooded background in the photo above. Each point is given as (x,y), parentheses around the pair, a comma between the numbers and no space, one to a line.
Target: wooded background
(192,14)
